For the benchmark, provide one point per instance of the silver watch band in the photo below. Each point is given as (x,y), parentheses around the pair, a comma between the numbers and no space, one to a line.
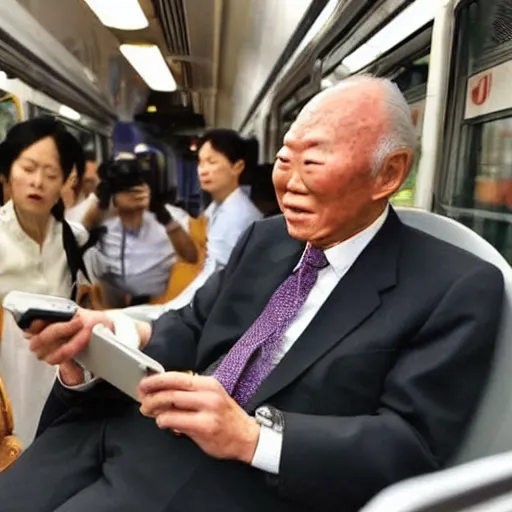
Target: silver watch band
(270,417)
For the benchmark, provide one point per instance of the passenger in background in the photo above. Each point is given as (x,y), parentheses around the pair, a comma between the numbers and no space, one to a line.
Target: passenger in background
(78,194)
(134,258)
(221,161)
(91,177)
(36,159)
(4,192)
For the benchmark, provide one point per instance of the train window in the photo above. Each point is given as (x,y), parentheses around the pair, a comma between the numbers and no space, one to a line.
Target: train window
(489,29)
(481,196)
(10,112)
(477,187)
(287,119)
(86,138)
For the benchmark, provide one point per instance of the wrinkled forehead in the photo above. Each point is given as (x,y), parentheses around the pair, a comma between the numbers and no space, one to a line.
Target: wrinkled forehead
(348,115)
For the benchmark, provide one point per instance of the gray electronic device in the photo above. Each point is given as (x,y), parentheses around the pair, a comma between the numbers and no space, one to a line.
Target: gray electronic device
(26,307)
(105,356)
(113,361)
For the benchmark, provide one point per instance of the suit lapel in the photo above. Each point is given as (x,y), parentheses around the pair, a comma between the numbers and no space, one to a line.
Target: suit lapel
(353,300)
(278,262)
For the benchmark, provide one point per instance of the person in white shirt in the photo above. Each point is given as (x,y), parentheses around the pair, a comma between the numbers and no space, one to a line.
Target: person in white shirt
(221,161)
(134,257)
(78,194)
(36,158)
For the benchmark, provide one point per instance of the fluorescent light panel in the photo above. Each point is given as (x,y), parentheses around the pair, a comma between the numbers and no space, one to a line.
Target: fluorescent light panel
(401,27)
(65,111)
(149,62)
(120,14)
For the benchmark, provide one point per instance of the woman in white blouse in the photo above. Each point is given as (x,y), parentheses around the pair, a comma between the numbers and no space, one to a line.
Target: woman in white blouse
(39,251)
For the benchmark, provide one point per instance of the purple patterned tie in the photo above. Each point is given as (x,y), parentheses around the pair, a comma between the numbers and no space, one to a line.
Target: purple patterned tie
(253,356)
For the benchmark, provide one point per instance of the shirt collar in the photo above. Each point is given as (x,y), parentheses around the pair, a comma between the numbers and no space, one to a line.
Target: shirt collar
(342,256)
(8,213)
(148,218)
(214,208)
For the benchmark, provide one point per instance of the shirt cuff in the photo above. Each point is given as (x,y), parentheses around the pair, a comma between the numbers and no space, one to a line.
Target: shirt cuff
(126,330)
(88,383)
(268,451)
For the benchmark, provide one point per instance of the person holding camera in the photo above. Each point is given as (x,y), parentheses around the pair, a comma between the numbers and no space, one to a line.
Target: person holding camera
(135,255)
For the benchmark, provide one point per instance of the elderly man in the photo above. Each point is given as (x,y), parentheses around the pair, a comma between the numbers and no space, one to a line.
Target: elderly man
(339,351)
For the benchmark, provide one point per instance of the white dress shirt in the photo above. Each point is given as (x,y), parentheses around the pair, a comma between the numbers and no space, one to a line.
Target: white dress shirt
(340,257)
(226,223)
(25,266)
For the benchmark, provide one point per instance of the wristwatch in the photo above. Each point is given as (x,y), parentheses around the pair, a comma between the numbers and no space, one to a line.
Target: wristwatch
(270,417)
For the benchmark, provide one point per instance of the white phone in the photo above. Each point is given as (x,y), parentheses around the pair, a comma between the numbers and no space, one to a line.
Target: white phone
(26,307)
(122,366)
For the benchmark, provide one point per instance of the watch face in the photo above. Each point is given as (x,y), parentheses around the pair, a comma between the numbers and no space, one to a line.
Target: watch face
(265,412)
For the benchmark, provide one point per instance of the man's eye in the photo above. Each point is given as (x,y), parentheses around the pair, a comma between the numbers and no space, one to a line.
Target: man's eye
(283,159)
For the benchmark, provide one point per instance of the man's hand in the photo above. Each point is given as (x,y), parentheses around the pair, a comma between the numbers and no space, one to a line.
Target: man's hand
(162,215)
(59,343)
(104,194)
(200,408)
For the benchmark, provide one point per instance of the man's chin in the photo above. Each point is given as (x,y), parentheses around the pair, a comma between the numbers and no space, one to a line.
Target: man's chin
(300,233)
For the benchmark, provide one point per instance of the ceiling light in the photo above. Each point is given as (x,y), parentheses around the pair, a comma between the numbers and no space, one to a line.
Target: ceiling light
(120,14)
(148,61)
(65,111)
(401,27)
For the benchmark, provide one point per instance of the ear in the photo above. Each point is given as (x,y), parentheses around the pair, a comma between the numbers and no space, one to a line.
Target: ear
(238,167)
(392,174)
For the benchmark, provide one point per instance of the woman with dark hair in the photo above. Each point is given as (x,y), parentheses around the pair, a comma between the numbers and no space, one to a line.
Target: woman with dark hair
(39,251)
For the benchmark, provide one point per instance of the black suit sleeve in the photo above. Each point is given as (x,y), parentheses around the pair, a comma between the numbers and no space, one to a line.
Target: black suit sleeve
(173,343)
(426,402)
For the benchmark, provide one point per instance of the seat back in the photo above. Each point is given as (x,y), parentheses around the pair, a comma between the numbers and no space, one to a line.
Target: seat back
(491,428)
(182,273)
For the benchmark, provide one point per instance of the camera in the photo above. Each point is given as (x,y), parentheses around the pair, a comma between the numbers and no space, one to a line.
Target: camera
(123,174)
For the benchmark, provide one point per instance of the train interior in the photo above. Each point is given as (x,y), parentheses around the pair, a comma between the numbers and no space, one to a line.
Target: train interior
(155,79)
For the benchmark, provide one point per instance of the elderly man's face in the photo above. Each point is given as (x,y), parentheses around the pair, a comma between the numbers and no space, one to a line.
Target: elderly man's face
(323,174)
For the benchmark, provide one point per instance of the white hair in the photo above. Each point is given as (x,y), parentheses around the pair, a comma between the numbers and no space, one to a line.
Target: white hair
(402,132)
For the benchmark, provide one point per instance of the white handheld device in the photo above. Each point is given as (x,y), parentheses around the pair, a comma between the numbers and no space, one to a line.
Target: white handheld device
(26,307)
(115,362)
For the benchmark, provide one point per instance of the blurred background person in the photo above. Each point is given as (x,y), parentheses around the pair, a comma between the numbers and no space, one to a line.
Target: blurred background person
(222,157)
(78,193)
(134,257)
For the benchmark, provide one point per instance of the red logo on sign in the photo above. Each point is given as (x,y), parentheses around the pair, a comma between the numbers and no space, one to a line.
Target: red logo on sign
(481,90)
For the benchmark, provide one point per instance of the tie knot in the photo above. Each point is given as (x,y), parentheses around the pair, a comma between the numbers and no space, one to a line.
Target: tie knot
(315,257)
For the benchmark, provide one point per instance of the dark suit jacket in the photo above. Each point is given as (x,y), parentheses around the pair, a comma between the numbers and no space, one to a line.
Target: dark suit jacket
(381,384)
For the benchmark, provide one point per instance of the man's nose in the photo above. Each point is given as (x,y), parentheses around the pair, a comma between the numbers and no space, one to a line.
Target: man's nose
(295,183)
